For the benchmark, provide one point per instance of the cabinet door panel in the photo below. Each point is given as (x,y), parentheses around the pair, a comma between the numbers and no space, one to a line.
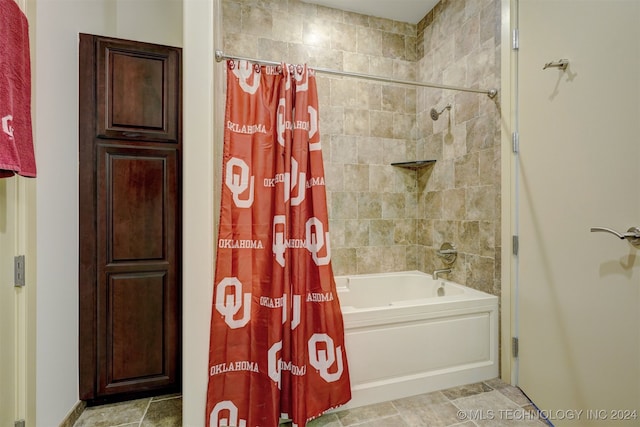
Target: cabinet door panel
(135,327)
(135,205)
(137,91)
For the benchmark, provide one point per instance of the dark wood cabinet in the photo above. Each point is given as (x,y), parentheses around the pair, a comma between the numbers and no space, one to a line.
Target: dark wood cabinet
(130,218)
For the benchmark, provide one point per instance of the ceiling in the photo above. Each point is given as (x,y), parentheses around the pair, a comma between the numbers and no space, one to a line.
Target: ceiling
(411,11)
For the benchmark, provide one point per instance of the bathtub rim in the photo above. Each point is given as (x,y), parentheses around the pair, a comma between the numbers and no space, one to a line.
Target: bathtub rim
(471,298)
(342,287)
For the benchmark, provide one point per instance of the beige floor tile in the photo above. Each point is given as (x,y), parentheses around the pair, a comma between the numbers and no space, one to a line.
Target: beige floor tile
(489,403)
(392,421)
(494,409)
(164,413)
(466,390)
(115,414)
(327,420)
(355,416)
(434,415)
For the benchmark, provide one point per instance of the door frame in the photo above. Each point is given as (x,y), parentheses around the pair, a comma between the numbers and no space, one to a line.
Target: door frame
(19,201)
(508,120)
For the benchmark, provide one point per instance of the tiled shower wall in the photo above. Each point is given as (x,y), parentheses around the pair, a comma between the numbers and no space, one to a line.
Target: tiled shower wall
(459,199)
(385,218)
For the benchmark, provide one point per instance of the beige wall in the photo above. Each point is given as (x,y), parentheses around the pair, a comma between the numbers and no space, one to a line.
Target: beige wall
(200,198)
(54,27)
(385,218)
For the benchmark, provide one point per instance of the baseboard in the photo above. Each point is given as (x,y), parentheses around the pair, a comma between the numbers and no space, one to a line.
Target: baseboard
(73,414)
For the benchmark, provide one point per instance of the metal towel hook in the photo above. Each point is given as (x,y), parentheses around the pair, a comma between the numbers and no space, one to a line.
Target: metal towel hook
(561,64)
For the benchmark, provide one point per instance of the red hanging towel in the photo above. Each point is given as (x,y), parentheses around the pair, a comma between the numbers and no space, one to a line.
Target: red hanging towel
(277,337)
(16,139)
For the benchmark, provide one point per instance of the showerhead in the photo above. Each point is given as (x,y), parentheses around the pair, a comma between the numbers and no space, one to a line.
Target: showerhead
(435,114)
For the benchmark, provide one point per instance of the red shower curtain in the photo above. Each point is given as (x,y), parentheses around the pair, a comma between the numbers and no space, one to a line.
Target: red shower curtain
(277,339)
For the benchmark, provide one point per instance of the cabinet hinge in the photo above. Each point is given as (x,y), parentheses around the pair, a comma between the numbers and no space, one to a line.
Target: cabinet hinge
(515,39)
(514,346)
(515,243)
(515,142)
(18,271)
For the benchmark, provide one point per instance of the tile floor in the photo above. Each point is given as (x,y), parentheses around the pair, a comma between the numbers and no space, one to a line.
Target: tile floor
(488,403)
(159,411)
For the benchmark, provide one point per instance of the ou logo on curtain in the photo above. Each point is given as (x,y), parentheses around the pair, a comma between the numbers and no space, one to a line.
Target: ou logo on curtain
(248,75)
(231,419)
(322,360)
(230,304)
(238,183)
(317,239)
(297,181)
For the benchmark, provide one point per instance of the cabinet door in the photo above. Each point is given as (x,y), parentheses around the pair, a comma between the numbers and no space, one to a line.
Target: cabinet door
(130,213)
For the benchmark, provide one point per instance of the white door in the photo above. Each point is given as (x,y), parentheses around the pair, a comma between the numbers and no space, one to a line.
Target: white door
(579,291)
(17,304)
(8,299)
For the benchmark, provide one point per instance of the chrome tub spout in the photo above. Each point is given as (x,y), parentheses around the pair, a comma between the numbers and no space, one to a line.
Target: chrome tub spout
(437,273)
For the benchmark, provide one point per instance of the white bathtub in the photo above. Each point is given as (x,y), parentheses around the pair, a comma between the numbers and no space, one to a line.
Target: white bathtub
(406,334)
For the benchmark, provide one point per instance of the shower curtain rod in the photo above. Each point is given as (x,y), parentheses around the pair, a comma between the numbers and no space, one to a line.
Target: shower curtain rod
(491,93)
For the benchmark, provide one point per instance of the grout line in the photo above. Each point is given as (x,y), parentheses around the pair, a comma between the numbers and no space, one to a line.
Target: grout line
(364,422)
(402,417)
(162,399)
(461,423)
(145,413)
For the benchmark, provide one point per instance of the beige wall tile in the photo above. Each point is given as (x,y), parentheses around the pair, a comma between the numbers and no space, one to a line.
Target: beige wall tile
(356,122)
(369,41)
(330,14)
(287,30)
(257,21)
(356,62)
(381,179)
(381,124)
(314,32)
(393,45)
(369,151)
(356,233)
(356,177)
(344,261)
(369,206)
